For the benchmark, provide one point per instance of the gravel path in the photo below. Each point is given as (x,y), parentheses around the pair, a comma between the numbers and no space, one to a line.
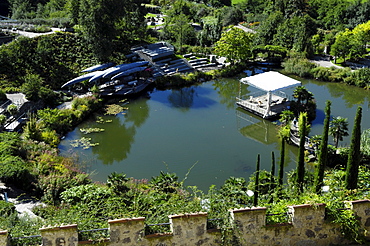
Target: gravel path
(324,61)
(23,203)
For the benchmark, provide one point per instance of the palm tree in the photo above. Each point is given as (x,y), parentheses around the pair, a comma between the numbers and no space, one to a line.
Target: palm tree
(302,94)
(298,93)
(286,117)
(338,129)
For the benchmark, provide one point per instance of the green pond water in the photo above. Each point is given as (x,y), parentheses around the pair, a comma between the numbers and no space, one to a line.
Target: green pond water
(200,129)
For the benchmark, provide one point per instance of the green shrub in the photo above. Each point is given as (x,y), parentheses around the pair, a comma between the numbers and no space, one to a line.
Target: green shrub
(52,185)
(50,137)
(321,73)
(6,208)
(12,109)
(299,66)
(15,171)
(2,119)
(84,194)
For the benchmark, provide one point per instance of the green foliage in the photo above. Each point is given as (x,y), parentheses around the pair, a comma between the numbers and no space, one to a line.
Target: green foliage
(50,137)
(6,208)
(286,117)
(299,66)
(53,59)
(281,164)
(302,139)
(2,119)
(178,28)
(84,194)
(31,86)
(256,183)
(166,182)
(12,109)
(235,45)
(15,169)
(106,23)
(338,128)
(9,143)
(323,151)
(354,155)
(234,189)
(32,129)
(53,184)
(117,182)
(305,102)
(365,142)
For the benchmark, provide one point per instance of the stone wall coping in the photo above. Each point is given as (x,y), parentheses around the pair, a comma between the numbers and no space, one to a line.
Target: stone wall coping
(359,201)
(241,210)
(126,220)
(3,232)
(62,227)
(308,205)
(163,234)
(201,214)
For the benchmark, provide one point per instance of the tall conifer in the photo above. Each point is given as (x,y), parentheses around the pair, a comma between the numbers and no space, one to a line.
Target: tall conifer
(354,155)
(302,141)
(281,164)
(256,183)
(272,179)
(323,151)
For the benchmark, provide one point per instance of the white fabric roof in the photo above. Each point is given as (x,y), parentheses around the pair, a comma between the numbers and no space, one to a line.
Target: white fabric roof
(270,81)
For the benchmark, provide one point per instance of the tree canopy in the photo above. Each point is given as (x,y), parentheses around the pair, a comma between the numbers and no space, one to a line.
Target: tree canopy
(235,44)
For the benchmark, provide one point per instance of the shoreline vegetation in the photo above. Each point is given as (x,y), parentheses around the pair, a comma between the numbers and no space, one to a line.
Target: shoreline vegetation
(283,32)
(71,196)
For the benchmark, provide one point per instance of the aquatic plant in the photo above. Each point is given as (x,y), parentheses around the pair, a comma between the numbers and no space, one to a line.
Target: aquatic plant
(91,130)
(83,142)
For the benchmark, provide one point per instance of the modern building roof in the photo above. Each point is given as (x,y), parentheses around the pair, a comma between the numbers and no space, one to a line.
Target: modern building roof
(270,81)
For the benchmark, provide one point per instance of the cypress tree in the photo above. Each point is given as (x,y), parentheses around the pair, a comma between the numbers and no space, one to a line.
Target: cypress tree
(281,164)
(354,155)
(302,138)
(323,151)
(256,183)
(272,179)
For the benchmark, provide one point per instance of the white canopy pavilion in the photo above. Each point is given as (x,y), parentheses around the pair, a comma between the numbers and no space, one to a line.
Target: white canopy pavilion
(273,101)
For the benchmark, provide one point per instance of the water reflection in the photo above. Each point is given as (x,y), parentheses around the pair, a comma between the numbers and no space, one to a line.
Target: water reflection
(256,128)
(116,141)
(137,114)
(351,95)
(200,124)
(182,98)
(114,145)
(228,90)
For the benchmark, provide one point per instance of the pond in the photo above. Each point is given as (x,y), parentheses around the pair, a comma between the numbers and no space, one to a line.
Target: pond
(198,133)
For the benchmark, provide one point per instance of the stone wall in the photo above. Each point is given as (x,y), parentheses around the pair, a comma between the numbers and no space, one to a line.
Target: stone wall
(307,227)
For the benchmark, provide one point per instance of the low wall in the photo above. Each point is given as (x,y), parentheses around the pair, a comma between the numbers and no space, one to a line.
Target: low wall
(307,227)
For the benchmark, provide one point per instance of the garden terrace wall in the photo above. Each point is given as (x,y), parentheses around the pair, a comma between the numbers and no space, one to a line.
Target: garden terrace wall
(307,227)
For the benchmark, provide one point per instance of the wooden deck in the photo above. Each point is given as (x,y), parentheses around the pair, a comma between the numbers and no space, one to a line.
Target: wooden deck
(258,105)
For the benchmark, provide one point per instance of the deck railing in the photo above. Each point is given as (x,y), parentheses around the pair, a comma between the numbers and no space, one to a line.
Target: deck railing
(251,106)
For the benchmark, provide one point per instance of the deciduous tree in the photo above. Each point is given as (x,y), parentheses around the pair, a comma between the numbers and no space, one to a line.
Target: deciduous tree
(235,44)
